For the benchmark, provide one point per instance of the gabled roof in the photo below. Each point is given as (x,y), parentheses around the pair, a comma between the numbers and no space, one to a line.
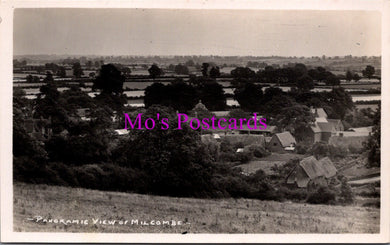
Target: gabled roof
(326,127)
(328,167)
(320,112)
(311,167)
(321,119)
(334,120)
(285,138)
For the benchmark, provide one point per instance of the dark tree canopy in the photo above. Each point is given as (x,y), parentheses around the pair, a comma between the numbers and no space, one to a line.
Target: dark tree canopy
(249,96)
(110,80)
(181,69)
(373,144)
(155,71)
(305,83)
(214,72)
(77,70)
(205,69)
(369,72)
(243,72)
(348,75)
(296,119)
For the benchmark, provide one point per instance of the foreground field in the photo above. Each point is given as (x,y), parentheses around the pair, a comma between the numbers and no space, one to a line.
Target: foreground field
(196,215)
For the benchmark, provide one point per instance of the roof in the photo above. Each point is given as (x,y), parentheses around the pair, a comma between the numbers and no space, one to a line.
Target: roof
(121,131)
(328,167)
(334,120)
(326,127)
(286,139)
(311,167)
(321,119)
(200,106)
(352,134)
(220,113)
(366,130)
(319,111)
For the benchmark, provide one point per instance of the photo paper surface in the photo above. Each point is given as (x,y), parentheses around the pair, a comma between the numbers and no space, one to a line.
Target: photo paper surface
(196,122)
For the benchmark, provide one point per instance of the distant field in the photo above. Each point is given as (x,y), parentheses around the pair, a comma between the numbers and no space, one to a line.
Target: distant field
(197,215)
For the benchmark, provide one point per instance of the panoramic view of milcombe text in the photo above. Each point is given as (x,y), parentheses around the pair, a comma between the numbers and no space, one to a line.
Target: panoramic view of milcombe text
(196,121)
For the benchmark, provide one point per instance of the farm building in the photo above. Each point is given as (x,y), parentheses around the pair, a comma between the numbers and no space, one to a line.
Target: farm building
(319,112)
(337,124)
(282,142)
(310,170)
(321,131)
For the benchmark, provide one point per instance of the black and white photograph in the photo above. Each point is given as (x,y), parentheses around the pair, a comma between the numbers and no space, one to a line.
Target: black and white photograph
(194,121)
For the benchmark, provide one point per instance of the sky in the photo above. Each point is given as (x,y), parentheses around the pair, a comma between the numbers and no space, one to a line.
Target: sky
(196,32)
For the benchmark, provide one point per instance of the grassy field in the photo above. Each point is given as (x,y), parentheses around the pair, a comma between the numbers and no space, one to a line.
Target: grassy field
(196,215)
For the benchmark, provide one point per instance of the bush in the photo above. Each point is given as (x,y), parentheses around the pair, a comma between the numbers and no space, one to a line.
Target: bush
(257,150)
(321,149)
(302,148)
(346,195)
(295,194)
(322,195)
(244,157)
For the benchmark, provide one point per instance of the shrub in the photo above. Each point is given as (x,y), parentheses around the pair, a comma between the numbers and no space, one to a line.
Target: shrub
(302,148)
(257,150)
(346,195)
(244,157)
(322,195)
(295,194)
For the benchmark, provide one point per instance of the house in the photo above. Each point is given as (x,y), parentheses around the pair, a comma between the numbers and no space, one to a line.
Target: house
(282,142)
(321,131)
(363,131)
(319,112)
(337,124)
(310,171)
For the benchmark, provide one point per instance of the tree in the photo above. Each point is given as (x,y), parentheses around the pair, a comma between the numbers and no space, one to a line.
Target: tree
(346,194)
(340,101)
(356,77)
(205,69)
(61,72)
(332,80)
(48,78)
(373,144)
(110,80)
(348,76)
(305,83)
(212,95)
(190,63)
(181,69)
(369,72)
(249,96)
(155,71)
(243,72)
(214,72)
(296,119)
(77,70)
(180,96)
(175,161)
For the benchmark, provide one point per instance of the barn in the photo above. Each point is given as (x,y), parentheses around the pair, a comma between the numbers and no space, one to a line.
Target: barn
(281,142)
(310,170)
